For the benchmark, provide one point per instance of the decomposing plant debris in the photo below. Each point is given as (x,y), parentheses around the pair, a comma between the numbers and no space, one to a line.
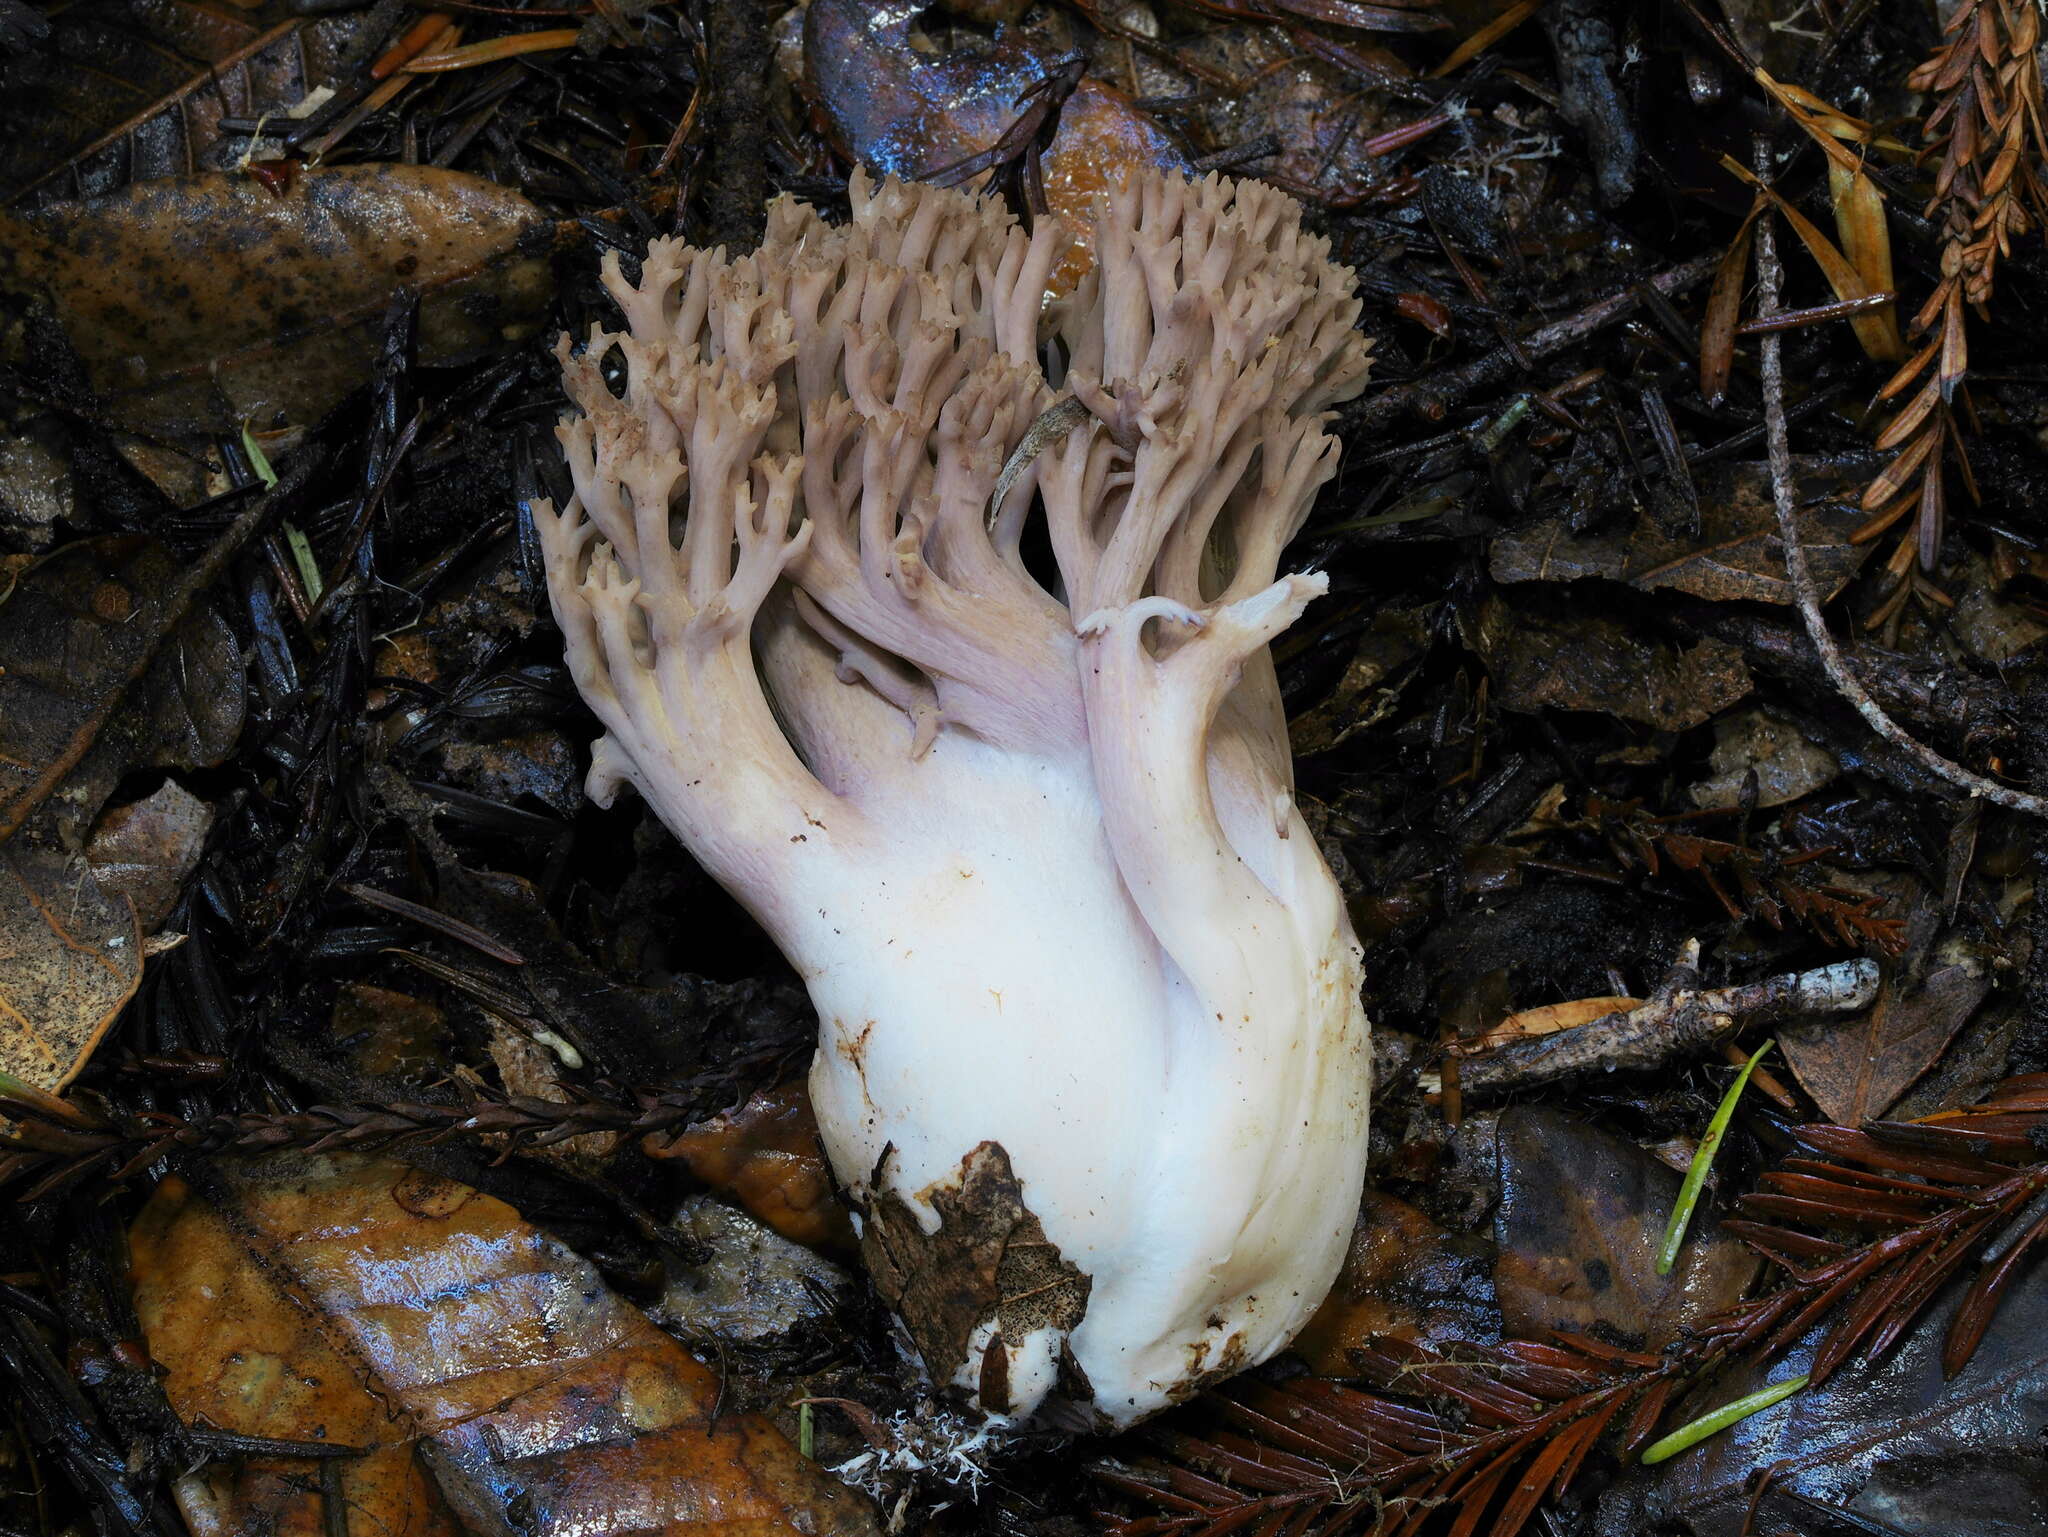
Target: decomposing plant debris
(1687,595)
(1484,1435)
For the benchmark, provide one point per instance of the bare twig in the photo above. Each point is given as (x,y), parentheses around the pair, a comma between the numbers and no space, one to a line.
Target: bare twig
(1679,1021)
(1770,276)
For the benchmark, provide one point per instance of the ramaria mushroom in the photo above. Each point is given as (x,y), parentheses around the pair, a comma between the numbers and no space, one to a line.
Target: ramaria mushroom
(1093,1067)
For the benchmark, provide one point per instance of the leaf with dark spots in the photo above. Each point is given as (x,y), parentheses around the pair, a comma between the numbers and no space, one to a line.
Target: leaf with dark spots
(1550,655)
(200,302)
(372,1305)
(1855,1069)
(1735,559)
(144,850)
(70,957)
(1578,1224)
(101,673)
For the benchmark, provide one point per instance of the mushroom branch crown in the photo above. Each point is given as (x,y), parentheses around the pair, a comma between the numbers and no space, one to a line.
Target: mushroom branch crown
(996,754)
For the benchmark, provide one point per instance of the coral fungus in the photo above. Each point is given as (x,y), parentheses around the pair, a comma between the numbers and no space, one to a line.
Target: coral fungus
(991,743)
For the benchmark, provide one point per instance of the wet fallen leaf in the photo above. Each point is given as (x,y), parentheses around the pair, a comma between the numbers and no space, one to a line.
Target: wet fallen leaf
(200,302)
(94,683)
(1324,126)
(1786,764)
(1856,1068)
(144,850)
(767,1156)
(1735,559)
(1549,655)
(389,1035)
(364,1303)
(1403,1276)
(70,956)
(1891,1448)
(900,102)
(87,694)
(746,1281)
(1581,1213)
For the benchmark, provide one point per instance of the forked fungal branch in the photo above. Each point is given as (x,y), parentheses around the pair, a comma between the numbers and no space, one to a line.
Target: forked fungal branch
(1092,1064)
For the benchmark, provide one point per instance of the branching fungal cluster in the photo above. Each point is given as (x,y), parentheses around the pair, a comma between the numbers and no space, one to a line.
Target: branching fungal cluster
(1092,1060)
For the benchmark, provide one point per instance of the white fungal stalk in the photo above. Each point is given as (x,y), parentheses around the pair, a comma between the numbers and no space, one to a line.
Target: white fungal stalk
(1092,1063)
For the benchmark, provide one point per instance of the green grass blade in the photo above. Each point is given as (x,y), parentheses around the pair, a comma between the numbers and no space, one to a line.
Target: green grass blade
(1696,1176)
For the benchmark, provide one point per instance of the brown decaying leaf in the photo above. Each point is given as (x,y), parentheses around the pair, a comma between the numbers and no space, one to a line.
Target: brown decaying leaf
(1404,1277)
(1877,331)
(1856,1068)
(145,850)
(1735,559)
(78,628)
(201,302)
(892,100)
(86,629)
(138,92)
(988,1254)
(1724,309)
(368,1304)
(1761,760)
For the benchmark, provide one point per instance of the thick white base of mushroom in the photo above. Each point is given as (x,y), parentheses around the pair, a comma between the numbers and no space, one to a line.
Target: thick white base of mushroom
(1203,1172)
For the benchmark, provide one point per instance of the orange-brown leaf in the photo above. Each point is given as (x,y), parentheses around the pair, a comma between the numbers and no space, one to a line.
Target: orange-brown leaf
(1724,309)
(767,1156)
(365,1303)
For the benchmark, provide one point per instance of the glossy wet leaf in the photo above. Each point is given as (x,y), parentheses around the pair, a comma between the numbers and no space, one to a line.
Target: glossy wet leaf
(766,1155)
(1786,763)
(144,850)
(1902,1448)
(493,1381)
(199,303)
(1405,1277)
(902,102)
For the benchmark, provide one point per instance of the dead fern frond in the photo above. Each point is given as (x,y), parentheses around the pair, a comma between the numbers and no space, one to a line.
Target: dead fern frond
(42,1154)
(1750,883)
(1984,135)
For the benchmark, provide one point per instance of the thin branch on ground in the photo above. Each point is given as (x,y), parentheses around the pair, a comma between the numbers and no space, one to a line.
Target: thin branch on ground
(1770,276)
(1679,1021)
